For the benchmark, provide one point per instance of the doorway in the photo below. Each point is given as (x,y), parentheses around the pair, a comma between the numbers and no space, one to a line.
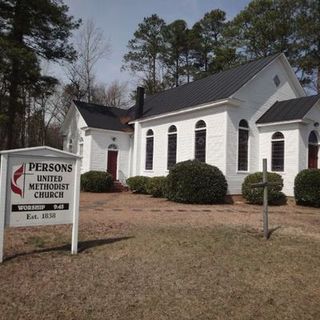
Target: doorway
(313,148)
(112,165)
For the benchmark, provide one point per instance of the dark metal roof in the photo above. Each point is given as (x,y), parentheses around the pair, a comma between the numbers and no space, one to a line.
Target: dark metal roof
(102,117)
(212,88)
(293,109)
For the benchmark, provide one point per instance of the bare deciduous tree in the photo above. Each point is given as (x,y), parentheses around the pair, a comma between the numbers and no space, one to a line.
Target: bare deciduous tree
(116,94)
(113,95)
(91,47)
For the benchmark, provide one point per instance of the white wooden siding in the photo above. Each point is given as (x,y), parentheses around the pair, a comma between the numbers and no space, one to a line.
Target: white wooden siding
(73,131)
(291,152)
(256,97)
(101,139)
(215,119)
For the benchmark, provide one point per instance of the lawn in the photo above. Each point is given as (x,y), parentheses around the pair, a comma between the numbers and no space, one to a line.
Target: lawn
(143,258)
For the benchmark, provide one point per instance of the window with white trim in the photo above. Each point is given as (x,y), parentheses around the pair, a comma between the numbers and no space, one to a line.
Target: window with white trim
(149,150)
(172,147)
(81,149)
(277,152)
(112,147)
(70,145)
(200,141)
(243,145)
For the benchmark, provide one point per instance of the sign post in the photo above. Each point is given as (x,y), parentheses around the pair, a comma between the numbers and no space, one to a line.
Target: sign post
(75,219)
(265,200)
(3,177)
(39,186)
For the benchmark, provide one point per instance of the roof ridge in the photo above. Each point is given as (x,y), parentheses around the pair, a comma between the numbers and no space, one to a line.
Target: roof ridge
(80,104)
(288,110)
(102,117)
(95,104)
(271,57)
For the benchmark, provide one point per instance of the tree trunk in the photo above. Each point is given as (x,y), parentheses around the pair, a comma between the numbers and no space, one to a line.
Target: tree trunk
(17,36)
(153,75)
(206,62)
(188,69)
(177,73)
(23,121)
(12,112)
(318,79)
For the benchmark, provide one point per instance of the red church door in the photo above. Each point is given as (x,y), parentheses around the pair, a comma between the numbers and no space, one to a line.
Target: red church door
(313,157)
(112,163)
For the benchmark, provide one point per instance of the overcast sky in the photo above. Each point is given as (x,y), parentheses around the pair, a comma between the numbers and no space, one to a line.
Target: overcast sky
(118,19)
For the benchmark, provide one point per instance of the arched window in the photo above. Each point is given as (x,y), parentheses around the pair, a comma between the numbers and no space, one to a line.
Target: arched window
(172,147)
(81,149)
(80,146)
(200,141)
(200,124)
(313,148)
(277,147)
(70,145)
(149,150)
(243,139)
(112,146)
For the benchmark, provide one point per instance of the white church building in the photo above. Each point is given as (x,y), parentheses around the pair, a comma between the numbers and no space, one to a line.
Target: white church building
(232,119)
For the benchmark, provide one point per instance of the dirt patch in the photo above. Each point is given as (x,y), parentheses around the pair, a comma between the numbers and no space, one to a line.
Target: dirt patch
(145,258)
(144,210)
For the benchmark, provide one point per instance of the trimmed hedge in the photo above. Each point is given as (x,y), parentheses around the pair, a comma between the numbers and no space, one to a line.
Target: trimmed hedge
(138,184)
(255,195)
(156,186)
(193,181)
(96,181)
(307,188)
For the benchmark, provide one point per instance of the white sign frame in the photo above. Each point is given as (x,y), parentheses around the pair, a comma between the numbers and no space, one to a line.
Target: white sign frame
(41,153)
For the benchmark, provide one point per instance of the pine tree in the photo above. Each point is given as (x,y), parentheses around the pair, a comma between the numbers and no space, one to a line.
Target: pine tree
(175,55)
(266,27)
(145,50)
(308,33)
(31,30)
(208,34)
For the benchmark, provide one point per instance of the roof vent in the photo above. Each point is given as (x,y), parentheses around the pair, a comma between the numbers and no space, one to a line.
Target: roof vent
(276,80)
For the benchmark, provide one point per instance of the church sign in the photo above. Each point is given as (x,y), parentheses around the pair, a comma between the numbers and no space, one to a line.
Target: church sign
(39,186)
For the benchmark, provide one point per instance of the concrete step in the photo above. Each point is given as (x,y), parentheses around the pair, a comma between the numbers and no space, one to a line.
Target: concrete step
(119,187)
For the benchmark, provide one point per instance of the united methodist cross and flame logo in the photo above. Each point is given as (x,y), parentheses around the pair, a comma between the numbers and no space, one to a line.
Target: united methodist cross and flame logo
(14,181)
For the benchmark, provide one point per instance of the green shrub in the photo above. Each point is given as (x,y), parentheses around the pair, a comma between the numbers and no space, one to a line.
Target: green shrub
(307,188)
(96,181)
(138,184)
(156,186)
(193,181)
(255,195)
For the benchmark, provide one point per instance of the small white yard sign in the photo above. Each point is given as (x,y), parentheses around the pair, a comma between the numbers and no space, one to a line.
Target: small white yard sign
(39,186)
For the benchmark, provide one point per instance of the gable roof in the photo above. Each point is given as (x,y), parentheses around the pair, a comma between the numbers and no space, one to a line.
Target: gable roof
(213,88)
(288,110)
(218,86)
(102,117)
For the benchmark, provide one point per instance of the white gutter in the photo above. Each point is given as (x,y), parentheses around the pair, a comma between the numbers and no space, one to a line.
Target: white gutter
(104,130)
(229,101)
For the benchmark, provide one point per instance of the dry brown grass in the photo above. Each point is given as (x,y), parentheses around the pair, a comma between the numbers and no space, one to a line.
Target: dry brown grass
(145,258)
